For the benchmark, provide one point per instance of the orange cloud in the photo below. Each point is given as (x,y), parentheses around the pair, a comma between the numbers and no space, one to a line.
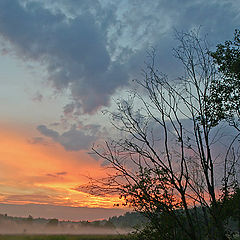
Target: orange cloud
(42,172)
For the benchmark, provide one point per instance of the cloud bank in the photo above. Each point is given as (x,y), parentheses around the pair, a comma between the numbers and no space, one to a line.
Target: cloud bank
(92,47)
(73,50)
(71,140)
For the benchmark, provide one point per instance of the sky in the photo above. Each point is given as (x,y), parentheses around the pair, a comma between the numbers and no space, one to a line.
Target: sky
(61,63)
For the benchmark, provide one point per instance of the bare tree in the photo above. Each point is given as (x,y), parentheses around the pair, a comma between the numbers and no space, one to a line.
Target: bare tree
(165,162)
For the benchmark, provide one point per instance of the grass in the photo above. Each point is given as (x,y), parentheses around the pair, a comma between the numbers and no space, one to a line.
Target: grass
(63,237)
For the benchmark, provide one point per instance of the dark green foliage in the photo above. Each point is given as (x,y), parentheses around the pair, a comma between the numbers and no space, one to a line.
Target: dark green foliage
(53,222)
(227,56)
(148,232)
(168,229)
(230,210)
(108,224)
(152,193)
(224,99)
(129,220)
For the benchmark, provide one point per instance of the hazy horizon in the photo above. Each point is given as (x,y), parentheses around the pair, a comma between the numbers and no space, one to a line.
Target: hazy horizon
(62,213)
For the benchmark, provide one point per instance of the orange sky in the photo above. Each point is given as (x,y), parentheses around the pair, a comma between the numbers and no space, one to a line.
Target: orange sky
(43,172)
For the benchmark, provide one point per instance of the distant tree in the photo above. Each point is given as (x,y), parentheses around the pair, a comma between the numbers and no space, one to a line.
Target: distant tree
(109,224)
(30,219)
(52,222)
(164,161)
(85,223)
(96,224)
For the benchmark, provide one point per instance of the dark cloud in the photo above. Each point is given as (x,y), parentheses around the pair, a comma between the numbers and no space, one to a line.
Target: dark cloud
(71,140)
(32,198)
(69,109)
(160,19)
(38,140)
(76,140)
(48,132)
(51,175)
(38,97)
(56,175)
(61,173)
(93,47)
(73,50)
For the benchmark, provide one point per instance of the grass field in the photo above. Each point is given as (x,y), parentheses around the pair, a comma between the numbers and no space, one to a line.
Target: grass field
(63,237)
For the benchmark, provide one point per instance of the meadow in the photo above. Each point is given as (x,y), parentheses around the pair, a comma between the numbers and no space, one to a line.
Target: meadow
(63,237)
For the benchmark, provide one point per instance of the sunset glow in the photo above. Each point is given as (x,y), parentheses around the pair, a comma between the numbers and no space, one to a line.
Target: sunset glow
(45,173)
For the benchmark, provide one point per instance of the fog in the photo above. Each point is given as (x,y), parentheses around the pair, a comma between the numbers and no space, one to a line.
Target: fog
(24,226)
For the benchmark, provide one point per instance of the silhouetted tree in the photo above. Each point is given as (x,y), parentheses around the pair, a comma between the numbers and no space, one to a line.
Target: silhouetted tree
(164,161)
(224,100)
(30,219)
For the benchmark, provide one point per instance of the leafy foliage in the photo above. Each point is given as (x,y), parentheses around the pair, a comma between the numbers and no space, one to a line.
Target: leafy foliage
(224,100)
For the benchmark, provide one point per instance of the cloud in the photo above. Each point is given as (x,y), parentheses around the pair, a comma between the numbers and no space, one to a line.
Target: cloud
(34,198)
(38,140)
(92,48)
(71,140)
(74,50)
(56,175)
(38,97)
(48,132)
(61,173)
(159,20)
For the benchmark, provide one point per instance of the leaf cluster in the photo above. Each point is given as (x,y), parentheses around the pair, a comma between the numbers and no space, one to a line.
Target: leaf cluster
(224,98)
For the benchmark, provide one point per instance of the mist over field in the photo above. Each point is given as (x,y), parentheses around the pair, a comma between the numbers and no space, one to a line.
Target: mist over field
(114,225)
(67,229)
(14,227)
